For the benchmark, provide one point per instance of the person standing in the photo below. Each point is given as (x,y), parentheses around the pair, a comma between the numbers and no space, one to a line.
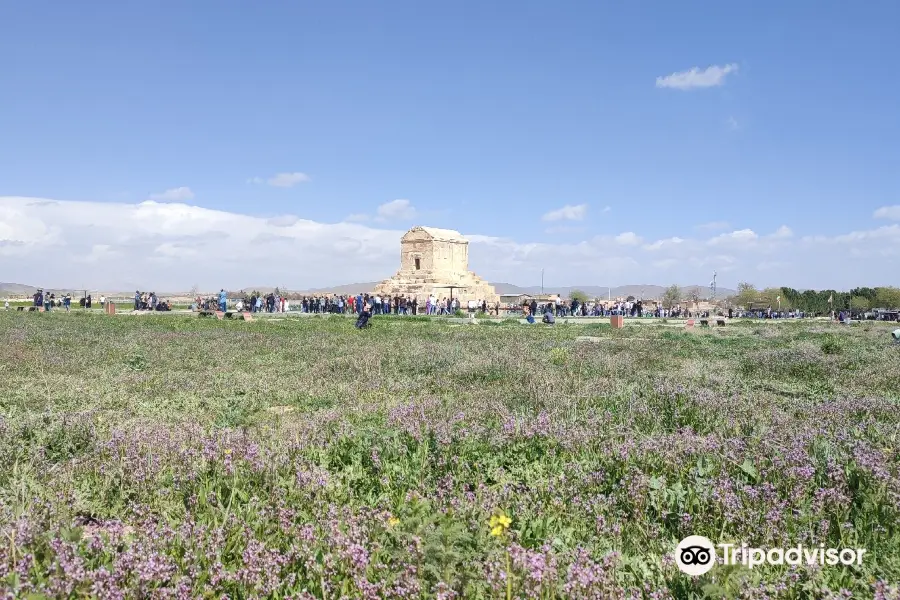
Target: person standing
(223,300)
(67,302)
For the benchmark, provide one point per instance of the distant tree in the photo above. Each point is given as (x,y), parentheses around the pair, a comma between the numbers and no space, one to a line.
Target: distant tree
(695,295)
(770,296)
(866,292)
(792,296)
(579,296)
(277,291)
(671,296)
(860,303)
(630,299)
(887,297)
(746,294)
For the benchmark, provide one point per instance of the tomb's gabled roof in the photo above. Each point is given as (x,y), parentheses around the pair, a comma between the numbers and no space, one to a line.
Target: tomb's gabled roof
(439,234)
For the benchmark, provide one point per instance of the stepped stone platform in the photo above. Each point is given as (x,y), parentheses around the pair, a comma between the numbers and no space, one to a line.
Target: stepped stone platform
(436,261)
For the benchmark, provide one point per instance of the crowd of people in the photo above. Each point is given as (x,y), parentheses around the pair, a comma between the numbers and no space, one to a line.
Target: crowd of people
(148,301)
(375,304)
(576,308)
(49,300)
(350,304)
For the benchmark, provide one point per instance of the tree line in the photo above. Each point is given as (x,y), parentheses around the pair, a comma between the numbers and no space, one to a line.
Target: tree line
(817,301)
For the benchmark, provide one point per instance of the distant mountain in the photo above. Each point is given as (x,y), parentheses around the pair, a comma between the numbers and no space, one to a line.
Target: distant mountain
(19,289)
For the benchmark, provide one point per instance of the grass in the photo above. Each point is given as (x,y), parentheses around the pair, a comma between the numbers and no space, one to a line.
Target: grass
(182,457)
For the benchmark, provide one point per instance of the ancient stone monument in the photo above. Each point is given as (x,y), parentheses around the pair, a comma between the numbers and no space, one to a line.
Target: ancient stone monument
(431,261)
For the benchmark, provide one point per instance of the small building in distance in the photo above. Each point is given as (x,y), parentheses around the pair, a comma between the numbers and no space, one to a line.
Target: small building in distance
(436,261)
(517,299)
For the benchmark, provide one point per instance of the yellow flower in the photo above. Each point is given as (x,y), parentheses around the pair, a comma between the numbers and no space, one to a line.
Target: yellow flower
(499,523)
(393,521)
(227,451)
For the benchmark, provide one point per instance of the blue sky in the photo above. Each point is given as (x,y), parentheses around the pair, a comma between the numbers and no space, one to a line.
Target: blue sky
(482,117)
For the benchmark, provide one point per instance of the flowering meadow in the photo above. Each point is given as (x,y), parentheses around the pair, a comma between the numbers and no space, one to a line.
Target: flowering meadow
(173,457)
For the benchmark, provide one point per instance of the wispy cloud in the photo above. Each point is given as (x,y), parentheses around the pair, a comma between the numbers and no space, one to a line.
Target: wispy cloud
(288,179)
(179,194)
(888,212)
(732,124)
(782,233)
(713,226)
(666,243)
(396,209)
(695,78)
(567,213)
(557,229)
(628,238)
(283,180)
(741,236)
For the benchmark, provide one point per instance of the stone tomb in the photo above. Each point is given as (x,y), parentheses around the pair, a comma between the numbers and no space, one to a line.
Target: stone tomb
(432,259)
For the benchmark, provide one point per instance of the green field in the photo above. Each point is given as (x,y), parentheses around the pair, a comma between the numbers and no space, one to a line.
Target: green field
(301,458)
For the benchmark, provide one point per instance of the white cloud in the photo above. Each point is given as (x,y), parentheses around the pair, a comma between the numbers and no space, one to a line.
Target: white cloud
(284,180)
(888,212)
(628,238)
(739,236)
(782,233)
(179,194)
(395,210)
(283,220)
(170,246)
(887,232)
(606,209)
(557,229)
(287,180)
(695,78)
(666,243)
(732,123)
(713,226)
(567,213)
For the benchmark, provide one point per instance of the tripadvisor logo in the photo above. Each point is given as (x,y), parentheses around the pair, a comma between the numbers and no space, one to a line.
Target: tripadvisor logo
(696,555)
